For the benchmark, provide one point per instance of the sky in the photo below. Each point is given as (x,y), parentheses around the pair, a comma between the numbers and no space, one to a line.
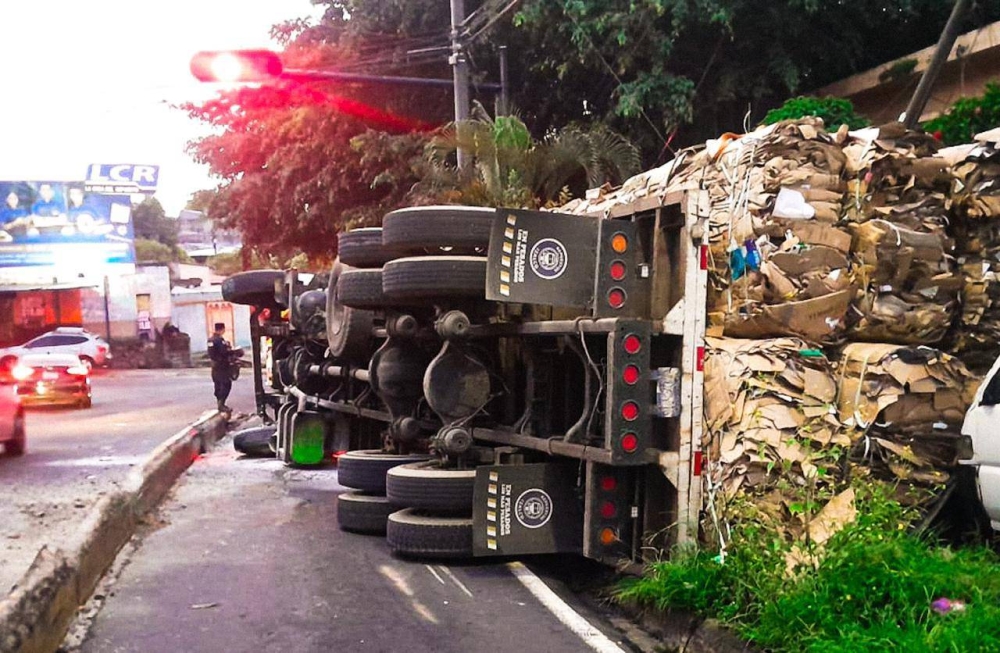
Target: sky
(93,81)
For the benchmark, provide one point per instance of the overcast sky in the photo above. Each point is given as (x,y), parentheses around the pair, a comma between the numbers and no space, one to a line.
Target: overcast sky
(91,81)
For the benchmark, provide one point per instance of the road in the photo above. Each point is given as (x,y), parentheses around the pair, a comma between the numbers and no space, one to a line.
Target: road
(75,456)
(250,559)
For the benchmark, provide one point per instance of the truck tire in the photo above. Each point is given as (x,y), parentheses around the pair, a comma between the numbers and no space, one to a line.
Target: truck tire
(426,486)
(363,248)
(420,228)
(255,442)
(252,288)
(348,330)
(365,469)
(363,513)
(412,533)
(424,277)
(361,289)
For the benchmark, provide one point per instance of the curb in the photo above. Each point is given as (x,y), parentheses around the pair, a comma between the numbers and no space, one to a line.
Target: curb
(683,631)
(35,616)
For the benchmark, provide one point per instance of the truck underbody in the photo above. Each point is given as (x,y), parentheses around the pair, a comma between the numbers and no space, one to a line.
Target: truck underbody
(503,382)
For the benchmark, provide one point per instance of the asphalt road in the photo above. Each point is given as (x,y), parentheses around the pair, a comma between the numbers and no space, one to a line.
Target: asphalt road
(74,456)
(250,559)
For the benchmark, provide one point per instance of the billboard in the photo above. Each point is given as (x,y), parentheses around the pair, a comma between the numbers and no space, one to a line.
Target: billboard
(122,178)
(54,222)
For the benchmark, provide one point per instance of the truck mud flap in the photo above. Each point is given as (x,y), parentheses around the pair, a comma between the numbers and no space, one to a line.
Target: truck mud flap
(542,258)
(527,509)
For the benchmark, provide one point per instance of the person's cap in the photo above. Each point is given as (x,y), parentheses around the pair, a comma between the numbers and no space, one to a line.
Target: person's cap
(220,325)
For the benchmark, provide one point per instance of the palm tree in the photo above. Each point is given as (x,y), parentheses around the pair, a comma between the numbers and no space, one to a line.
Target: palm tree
(510,168)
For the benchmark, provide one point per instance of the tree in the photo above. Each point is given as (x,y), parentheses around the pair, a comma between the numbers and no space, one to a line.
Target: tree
(150,221)
(153,251)
(510,168)
(292,174)
(656,68)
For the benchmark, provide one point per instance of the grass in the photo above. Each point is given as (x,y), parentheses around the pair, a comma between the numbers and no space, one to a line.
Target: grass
(871,590)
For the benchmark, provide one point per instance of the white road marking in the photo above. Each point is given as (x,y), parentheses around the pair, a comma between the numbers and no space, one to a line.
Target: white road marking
(435,574)
(593,637)
(98,461)
(454,579)
(404,587)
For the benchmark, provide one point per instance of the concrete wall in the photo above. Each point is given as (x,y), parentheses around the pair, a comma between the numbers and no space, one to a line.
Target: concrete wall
(882,96)
(122,309)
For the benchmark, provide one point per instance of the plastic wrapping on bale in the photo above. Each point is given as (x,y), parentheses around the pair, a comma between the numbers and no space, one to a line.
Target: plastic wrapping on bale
(770,414)
(906,405)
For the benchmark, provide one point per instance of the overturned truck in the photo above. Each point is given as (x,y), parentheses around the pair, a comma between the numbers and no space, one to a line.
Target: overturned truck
(498,382)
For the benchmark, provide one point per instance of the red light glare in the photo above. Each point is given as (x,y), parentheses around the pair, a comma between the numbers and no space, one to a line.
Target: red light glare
(616,298)
(617,270)
(630,411)
(22,372)
(631,375)
(609,484)
(608,510)
(236,66)
(632,344)
(630,442)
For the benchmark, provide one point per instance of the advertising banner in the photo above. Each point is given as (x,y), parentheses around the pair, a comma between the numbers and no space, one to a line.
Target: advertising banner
(52,223)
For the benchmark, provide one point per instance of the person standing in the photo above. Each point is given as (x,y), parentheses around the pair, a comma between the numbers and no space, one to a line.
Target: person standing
(219,352)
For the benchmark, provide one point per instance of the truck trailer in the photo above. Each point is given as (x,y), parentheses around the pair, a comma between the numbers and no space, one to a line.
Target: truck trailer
(498,381)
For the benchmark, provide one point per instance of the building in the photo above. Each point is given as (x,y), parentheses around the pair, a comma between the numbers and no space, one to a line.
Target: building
(883,92)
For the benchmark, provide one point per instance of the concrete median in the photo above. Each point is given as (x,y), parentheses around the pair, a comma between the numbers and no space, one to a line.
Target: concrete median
(35,616)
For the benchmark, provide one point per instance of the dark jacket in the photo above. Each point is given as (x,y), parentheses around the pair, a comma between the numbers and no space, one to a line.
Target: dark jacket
(219,353)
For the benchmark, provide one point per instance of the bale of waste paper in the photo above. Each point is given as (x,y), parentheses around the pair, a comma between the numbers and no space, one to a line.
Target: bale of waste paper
(908,286)
(769,414)
(906,406)
(976,200)
(894,175)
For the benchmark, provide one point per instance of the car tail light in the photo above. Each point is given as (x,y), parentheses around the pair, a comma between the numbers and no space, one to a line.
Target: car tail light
(616,298)
(22,372)
(78,370)
(101,349)
(617,270)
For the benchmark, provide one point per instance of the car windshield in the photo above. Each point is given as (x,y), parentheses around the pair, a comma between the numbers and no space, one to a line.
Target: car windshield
(52,360)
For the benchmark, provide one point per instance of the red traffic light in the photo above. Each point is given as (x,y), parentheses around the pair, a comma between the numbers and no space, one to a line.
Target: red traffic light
(236,66)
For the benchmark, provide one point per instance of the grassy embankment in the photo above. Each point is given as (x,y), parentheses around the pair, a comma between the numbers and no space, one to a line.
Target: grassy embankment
(872,587)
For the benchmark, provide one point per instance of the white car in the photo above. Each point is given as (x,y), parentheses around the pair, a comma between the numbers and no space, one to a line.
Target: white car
(91,349)
(982,426)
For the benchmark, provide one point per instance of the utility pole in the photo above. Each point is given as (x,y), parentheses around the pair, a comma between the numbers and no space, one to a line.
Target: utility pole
(460,68)
(944,45)
(504,105)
